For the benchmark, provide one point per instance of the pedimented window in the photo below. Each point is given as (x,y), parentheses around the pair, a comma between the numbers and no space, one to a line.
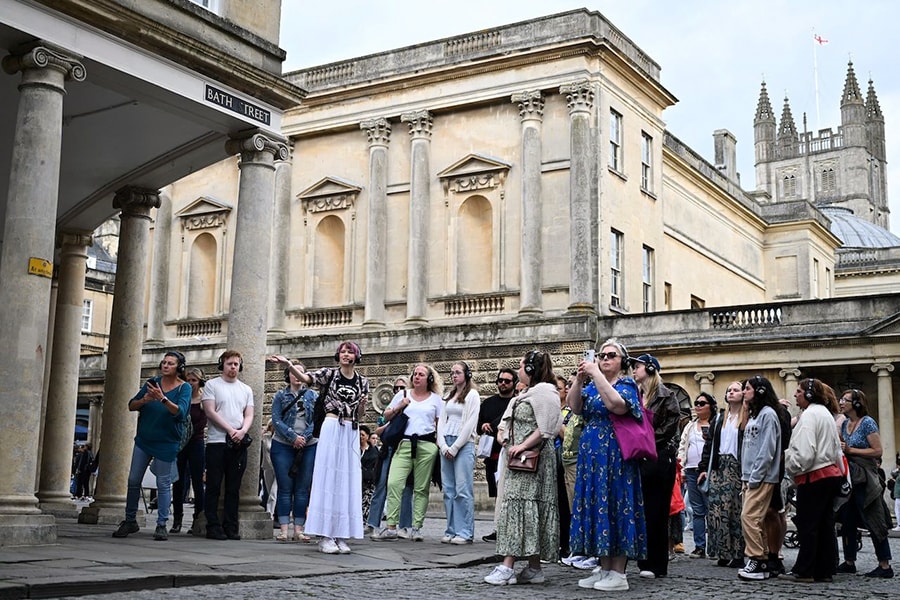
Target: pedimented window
(204,213)
(473,173)
(330,193)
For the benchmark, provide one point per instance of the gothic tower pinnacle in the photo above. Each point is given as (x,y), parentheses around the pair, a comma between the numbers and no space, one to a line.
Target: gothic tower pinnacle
(853,111)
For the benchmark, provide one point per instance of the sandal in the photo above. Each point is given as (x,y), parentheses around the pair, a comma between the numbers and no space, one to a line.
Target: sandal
(282,538)
(299,536)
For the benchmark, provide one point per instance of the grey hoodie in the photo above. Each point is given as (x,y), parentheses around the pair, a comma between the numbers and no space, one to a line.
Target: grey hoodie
(760,456)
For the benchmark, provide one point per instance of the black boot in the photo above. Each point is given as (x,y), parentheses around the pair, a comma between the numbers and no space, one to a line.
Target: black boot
(176,525)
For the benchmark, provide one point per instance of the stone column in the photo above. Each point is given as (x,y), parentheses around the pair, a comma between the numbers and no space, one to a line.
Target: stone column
(51,325)
(531,112)
(281,243)
(123,367)
(420,123)
(378,132)
(886,413)
(249,310)
(790,378)
(26,261)
(580,100)
(62,395)
(706,381)
(159,273)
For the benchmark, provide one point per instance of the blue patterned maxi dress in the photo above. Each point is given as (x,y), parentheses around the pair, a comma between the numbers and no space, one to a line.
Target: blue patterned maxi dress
(608,509)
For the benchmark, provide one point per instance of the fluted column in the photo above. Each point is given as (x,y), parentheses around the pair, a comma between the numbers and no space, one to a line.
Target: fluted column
(159,274)
(580,100)
(420,123)
(123,367)
(706,381)
(249,311)
(378,132)
(62,395)
(281,243)
(886,413)
(26,262)
(790,378)
(531,112)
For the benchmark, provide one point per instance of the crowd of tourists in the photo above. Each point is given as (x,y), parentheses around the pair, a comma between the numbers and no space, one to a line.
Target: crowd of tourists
(593,469)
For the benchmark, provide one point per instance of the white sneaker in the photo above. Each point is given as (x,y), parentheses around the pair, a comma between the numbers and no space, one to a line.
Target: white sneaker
(403,533)
(343,548)
(587,564)
(328,546)
(896,528)
(415,534)
(572,559)
(613,582)
(647,574)
(446,539)
(460,541)
(529,575)
(596,575)
(501,575)
(385,534)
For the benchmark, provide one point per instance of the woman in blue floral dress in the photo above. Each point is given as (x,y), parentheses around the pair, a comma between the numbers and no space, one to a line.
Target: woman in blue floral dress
(608,509)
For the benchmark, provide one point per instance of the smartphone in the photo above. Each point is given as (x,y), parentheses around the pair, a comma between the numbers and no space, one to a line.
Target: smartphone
(589,355)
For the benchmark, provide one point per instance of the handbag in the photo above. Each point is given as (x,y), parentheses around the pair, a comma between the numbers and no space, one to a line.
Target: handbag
(527,460)
(485,445)
(636,438)
(395,429)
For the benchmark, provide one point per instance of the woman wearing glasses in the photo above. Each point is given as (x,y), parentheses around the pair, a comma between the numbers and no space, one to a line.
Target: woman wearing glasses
(690,451)
(861,444)
(719,464)
(608,508)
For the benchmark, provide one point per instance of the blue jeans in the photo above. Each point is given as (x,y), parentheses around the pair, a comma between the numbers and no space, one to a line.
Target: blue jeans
(140,460)
(459,497)
(293,493)
(698,501)
(376,509)
(192,457)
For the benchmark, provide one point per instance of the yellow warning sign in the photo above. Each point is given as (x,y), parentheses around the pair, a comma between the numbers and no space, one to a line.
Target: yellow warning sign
(39,266)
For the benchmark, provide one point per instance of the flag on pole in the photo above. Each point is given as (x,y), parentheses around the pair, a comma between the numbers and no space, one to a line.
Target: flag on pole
(819,39)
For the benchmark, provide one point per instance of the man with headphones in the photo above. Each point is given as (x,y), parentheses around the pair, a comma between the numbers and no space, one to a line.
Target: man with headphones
(489,415)
(228,403)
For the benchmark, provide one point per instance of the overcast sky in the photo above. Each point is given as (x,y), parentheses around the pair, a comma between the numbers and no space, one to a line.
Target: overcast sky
(713,54)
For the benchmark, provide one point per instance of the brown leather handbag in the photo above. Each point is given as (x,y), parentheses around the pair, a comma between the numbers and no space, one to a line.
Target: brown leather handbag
(527,460)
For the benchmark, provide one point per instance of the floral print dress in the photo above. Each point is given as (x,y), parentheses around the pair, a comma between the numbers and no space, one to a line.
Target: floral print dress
(608,509)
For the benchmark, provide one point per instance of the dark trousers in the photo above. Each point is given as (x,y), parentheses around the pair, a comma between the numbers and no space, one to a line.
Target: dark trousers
(490,473)
(224,464)
(851,520)
(657,483)
(191,460)
(565,514)
(815,528)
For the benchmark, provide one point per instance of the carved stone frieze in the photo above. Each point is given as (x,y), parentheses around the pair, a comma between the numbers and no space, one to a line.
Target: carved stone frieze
(209,221)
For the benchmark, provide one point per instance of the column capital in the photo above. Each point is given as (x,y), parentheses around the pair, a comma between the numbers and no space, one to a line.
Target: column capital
(81,239)
(531,105)
(707,376)
(880,368)
(579,95)
(377,130)
(41,55)
(136,201)
(420,123)
(786,373)
(250,142)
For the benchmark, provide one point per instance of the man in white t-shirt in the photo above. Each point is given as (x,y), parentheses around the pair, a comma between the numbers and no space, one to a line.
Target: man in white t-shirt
(228,403)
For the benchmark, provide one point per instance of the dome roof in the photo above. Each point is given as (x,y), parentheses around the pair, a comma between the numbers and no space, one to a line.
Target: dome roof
(856,232)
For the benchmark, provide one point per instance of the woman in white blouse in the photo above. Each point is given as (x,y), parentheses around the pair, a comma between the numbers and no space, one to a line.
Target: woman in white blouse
(456,442)
(416,452)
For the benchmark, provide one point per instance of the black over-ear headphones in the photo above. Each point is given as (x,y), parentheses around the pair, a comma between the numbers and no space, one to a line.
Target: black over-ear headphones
(530,365)
(467,372)
(809,389)
(357,351)
(430,376)
(760,388)
(287,374)
(180,365)
(855,401)
(221,364)
(626,359)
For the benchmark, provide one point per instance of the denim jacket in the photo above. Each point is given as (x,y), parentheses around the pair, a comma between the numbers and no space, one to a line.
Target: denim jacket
(284,431)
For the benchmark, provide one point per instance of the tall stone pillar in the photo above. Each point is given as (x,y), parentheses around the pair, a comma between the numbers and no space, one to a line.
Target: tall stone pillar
(123,367)
(580,100)
(62,395)
(790,378)
(531,112)
(51,325)
(706,381)
(886,413)
(420,123)
(378,132)
(249,310)
(281,243)
(159,273)
(26,261)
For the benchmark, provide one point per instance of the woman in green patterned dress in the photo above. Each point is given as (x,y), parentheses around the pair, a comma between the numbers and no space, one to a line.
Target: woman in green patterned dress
(528,521)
